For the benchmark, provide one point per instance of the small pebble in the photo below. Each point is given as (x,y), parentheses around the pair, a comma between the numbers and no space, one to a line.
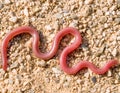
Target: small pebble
(7,2)
(31,91)
(105,9)
(14,65)
(28,57)
(86,75)
(106,25)
(113,8)
(58,15)
(18,91)
(28,43)
(108,90)
(13,19)
(56,70)
(118,13)
(118,38)
(103,19)
(62,79)
(94,80)
(109,74)
(107,13)
(88,1)
(1,6)
(78,81)
(19,59)
(48,27)
(73,24)
(33,19)
(17,81)
(68,78)
(41,63)
(117,20)
(66,84)
(99,12)
(86,11)
(75,17)
(113,13)
(110,2)
(10,81)
(116,82)
(2,71)
(47,80)
(6,81)
(114,52)
(26,12)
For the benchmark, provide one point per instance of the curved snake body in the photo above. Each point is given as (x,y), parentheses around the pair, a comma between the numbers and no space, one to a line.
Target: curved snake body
(53,50)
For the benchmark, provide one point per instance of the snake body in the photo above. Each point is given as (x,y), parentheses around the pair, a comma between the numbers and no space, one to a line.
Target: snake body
(46,56)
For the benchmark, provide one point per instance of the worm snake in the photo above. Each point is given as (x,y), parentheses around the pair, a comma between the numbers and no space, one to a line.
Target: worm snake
(45,56)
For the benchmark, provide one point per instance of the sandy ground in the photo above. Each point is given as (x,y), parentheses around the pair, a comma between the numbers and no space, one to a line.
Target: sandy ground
(98,21)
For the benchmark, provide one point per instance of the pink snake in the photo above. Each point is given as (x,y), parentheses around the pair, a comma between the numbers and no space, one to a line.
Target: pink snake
(45,56)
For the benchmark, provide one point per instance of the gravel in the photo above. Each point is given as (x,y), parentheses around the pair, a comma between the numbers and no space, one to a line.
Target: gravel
(98,21)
